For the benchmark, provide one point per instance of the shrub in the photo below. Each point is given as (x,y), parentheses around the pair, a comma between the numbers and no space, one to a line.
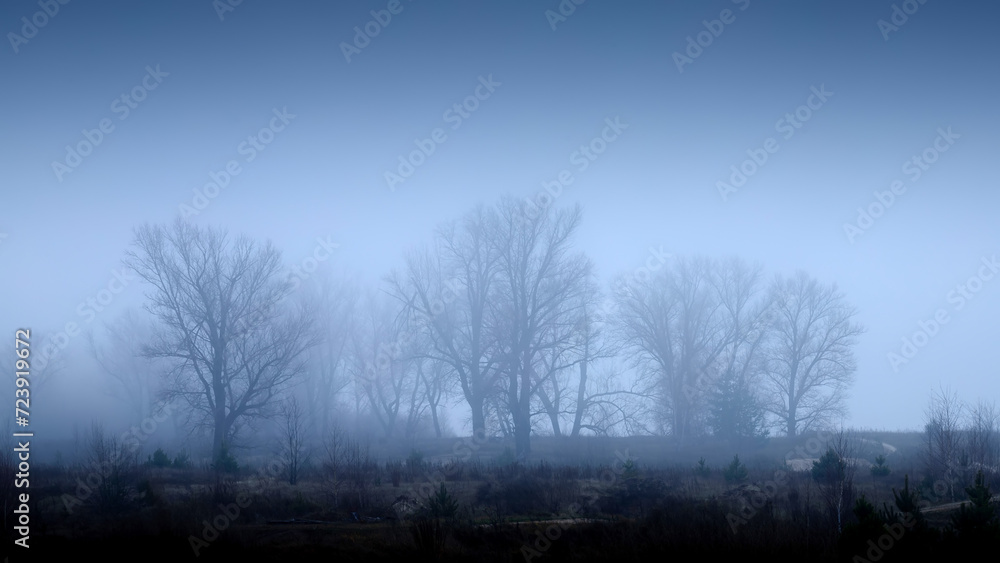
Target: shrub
(118,467)
(442,505)
(702,469)
(517,495)
(415,463)
(735,472)
(880,469)
(226,463)
(159,458)
(978,522)
(830,469)
(182,461)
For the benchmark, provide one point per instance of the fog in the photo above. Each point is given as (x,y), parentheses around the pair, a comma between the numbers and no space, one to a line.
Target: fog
(867,152)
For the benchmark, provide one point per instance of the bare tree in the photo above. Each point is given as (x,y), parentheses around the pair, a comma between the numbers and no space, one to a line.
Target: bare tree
(567,387)
(449,293)
(541,284)
(118,465)
(944,438)
(382,364)
(983,436)
(427,393)
(737,406)
(294,450)
(232,341)
(433,376)
(835,472)
(606,407)
(553,385)
(677,330)
(811,361)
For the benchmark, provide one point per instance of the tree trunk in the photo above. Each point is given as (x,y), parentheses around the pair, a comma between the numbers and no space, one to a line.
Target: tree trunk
(522,415)
(219,434)
(478,419)
(581,393)
(522,434)
(434,417)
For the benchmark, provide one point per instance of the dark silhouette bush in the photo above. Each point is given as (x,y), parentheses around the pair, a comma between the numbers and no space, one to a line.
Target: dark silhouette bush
(159,458)
(735,472)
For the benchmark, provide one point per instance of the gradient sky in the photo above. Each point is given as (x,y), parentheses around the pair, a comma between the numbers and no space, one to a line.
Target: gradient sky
(323,175)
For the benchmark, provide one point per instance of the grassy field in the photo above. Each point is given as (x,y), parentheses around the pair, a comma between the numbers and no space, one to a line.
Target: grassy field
(588,499)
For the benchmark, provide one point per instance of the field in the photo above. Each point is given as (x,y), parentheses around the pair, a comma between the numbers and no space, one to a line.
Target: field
(460,500)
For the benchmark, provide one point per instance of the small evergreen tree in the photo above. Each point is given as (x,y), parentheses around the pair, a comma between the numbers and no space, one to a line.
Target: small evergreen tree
(880,469)
(160,458)
(869,525)
(442,505)
(735,472)
(735,412)
(978,522)
(702,469)
(830,469)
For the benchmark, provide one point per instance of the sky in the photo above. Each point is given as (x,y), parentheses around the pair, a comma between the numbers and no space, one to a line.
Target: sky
(855,140)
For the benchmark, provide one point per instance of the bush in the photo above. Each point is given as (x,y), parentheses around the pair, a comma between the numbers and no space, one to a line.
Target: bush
(442,505)
(226,463)
(182,461)
(702,469)
(880,469)
(830,469)
(119,468)
(977,520)
(415,463)
(159,459)
(517,495)
(735,472)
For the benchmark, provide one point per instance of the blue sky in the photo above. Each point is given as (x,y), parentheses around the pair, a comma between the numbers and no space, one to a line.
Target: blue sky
(222,79)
